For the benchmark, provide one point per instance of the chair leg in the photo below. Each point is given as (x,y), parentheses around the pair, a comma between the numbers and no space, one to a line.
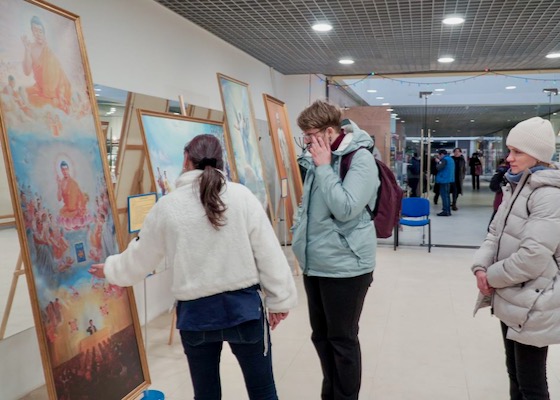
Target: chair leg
(395,237)
(430,237)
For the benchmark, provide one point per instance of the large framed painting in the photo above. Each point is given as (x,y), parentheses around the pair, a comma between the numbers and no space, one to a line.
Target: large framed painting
(284,152)
(244,138)
(88,330)
(165,137)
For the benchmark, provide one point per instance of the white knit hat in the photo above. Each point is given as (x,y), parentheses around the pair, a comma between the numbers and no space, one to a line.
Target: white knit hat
(535,137)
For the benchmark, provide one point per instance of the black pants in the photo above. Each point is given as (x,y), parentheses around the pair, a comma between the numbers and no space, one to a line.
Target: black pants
(335,306)
(526,367)
(413,183)
(476,182)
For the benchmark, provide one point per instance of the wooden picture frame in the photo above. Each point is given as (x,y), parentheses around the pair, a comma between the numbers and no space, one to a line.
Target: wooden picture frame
(165,136)
(243,138)
(54,150)
(284,153)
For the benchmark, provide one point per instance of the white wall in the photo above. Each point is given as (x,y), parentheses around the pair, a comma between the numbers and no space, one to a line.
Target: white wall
(139,46)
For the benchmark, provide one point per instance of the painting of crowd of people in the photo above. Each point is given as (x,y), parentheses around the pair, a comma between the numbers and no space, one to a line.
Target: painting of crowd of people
(66,218)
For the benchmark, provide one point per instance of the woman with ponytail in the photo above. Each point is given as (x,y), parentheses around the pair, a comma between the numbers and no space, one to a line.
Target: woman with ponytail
(228,269)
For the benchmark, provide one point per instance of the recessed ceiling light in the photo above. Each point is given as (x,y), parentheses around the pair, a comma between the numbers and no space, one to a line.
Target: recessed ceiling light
(553,55)
(322,27)
(511,87)
(385,104)
(97,94)
(403,121)
(346,61)
(390,109)
(437,120)
(97,90)
(372,91)
(453,20)
(439,90)
(472,120)
(446,59)
(380,98)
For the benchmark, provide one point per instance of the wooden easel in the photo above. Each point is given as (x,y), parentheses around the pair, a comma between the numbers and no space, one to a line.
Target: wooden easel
(18,271)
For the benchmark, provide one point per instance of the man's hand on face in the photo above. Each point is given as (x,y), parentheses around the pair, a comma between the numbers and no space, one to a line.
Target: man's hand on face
(320,151)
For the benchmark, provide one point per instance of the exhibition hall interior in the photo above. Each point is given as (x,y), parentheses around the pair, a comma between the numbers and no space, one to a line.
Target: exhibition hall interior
(125,84)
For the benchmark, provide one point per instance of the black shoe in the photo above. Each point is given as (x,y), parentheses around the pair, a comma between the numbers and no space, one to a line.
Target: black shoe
(444,214)
(454,208)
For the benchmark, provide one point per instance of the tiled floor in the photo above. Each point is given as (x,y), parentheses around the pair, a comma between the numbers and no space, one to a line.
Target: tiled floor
(419,338)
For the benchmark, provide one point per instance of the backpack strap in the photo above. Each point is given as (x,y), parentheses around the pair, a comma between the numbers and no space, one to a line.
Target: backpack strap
(345,162)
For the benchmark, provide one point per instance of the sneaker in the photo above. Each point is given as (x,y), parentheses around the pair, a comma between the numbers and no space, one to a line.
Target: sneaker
(443,214)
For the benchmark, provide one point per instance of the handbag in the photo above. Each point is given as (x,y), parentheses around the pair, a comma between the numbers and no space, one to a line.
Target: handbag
(478,169)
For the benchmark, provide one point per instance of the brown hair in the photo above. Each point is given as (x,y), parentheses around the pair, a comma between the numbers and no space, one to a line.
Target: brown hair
(205,153)
(320,115)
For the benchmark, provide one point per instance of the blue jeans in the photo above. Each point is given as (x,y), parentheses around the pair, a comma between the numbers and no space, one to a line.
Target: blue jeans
(444,193)
(203,350)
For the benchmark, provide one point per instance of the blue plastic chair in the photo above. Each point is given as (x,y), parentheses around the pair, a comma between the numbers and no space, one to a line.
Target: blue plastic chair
(152,394)
(415,212)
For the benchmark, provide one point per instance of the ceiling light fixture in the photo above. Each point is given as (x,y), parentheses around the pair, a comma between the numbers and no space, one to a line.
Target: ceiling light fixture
(453,20)
(439,90)
(511,87)
(346,61)
(385,104)
(322,27)
(372,91)
(553,55)
(446,59)
(379,98)
(390,109)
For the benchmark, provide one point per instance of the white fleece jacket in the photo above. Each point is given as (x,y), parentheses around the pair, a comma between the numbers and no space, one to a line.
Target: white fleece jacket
(206,261)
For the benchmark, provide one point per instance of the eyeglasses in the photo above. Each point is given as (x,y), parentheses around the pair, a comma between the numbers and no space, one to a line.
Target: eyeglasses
(307,135)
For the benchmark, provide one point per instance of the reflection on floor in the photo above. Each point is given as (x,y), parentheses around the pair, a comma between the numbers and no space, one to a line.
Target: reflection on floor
(419,338)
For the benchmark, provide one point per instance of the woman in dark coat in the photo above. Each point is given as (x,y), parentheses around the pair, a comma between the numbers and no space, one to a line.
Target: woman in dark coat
(476,171)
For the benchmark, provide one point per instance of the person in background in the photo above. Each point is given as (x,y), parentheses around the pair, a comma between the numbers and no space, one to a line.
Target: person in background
(516,267)
(433,172)
(460,171)
(334,241)
(476,170)
(445,177)
(223,251)
(497,182)
(413,174)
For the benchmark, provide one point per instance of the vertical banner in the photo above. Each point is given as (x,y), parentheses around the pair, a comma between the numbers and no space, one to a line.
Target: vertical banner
(88,330)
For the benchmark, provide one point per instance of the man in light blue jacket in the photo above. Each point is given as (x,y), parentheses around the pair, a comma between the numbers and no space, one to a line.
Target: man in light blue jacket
(334,241)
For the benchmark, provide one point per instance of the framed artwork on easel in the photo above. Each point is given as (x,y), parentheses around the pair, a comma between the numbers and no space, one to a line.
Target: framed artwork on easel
(284,153)
(165,136)
(88,330)
(243,138)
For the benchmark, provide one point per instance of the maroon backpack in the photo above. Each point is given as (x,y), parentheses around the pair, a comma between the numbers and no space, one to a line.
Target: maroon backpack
(387,210)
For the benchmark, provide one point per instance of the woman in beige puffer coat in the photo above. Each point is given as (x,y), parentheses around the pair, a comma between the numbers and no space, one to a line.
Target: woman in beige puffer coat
(516,267)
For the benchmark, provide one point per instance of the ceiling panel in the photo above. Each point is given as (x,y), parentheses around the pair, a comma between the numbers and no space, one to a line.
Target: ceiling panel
(389,36)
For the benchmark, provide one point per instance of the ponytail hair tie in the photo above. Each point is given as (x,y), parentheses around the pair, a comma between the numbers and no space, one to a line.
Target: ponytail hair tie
(207,162)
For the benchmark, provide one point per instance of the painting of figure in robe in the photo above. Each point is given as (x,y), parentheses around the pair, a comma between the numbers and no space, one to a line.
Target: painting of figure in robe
(243,137)
(64,209)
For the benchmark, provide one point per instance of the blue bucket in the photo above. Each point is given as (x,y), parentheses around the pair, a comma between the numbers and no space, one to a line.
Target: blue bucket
(153,395)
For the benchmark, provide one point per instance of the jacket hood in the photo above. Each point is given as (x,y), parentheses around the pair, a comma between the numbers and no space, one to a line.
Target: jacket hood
(354,138)
(546,177)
